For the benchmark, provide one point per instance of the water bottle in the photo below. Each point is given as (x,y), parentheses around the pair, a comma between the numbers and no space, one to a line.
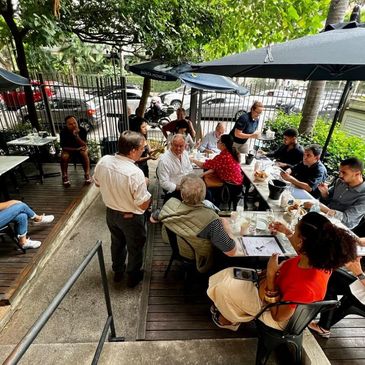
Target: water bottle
(315,207)
(240,207)
(253,224)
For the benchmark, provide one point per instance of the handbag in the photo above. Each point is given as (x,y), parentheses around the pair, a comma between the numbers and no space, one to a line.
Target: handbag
(213,181)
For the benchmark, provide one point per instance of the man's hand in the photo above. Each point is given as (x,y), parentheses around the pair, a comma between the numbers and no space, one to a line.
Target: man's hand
(286,176)
(323,188)
(256,134)
(83,148)
(308,205)
(76,131)
(354,266)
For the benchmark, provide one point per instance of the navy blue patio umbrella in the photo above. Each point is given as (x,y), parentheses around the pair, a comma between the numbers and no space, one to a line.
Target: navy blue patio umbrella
(10,80)
(158,71)
(337,53)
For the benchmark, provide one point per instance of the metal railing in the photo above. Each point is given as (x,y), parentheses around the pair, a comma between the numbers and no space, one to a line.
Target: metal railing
(28,339)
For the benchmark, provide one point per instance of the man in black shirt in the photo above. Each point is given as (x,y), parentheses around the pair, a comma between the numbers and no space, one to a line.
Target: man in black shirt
(309,173)
(246,127)
(290,152)
(73,142)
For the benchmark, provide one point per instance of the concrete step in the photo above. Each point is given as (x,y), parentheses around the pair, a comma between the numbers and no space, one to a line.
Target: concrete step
(193,352)
(212,352)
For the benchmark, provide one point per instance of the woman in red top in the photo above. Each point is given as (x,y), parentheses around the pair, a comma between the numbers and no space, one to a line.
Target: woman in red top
(321,247)
(226,165)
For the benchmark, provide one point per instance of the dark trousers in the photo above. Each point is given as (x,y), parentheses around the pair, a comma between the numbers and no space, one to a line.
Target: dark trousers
(339,284)
(127,234)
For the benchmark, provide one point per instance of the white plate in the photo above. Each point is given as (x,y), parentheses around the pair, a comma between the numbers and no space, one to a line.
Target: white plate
(261,224)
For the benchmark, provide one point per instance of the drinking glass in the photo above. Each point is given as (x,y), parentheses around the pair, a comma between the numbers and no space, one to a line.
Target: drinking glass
(253,224)
(269,216)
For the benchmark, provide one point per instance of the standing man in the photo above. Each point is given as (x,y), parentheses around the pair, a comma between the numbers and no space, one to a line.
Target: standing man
(172,166)
(245,127)
(124,192)
(73,142)
(309,173)
(346,199)
(209,143)
(290,152)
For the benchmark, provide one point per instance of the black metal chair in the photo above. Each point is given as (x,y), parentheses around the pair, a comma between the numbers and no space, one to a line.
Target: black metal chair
(270,338)
(9,231)
(230,196)
(188,265)
(348,304)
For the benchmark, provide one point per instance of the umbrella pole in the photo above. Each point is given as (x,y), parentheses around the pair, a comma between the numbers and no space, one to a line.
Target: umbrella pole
(341,106)
(183,96)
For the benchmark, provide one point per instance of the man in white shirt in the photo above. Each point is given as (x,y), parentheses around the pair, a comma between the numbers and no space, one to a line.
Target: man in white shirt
(124,192)
(209,143)
(172,166)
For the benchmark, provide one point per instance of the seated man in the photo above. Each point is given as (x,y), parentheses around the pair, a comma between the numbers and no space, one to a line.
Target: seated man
(182,127)
(209,143)
(172,166)
(171,127)
(346,199)
(73,142)
(290,152)
(199,225)
(309,173)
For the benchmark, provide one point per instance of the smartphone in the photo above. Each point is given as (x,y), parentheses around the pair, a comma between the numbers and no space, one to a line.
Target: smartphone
(245,274)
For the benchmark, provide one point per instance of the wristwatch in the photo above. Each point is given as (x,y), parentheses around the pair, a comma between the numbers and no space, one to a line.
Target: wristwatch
(361,276)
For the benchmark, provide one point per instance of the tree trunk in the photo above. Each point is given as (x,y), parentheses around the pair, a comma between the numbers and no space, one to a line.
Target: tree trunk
(145,93)
(315,90)
(8,15)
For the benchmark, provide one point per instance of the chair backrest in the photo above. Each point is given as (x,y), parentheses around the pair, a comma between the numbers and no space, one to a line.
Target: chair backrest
(305,313)
(231,193)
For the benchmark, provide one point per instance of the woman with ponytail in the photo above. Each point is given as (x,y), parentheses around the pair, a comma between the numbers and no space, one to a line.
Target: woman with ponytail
(321,248)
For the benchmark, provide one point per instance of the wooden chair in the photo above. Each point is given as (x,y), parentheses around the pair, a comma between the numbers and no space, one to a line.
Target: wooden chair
(270,338)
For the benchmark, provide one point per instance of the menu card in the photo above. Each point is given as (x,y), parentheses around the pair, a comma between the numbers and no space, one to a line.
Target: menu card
(260,245)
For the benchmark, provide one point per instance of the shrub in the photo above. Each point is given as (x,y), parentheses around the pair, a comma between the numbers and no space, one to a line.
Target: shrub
(342,145)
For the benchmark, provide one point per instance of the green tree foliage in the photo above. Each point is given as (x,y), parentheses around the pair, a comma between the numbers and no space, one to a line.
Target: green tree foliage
(341,146)
(246,24)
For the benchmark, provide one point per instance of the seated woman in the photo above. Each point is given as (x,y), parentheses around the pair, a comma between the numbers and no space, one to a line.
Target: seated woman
(198,224)
(339,284)
(182,128)
(73,142)
(321,247)
(224,167)
(17,212)
(140,125)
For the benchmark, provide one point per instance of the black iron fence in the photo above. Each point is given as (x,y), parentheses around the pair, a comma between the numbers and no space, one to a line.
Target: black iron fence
(100,104)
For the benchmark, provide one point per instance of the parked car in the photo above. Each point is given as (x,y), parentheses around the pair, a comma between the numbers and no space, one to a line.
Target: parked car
(15,99)
(222,106)
(110,88)
(113,101)
(87,111)
(327,108)
(174,98)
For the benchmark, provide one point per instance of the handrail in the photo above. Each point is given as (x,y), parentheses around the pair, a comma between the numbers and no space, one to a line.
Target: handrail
(33,332)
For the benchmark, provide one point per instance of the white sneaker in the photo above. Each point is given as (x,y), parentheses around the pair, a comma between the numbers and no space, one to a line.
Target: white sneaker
(46,219)
(31,244)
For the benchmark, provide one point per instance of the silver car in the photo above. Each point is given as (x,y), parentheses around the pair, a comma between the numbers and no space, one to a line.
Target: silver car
(85,108)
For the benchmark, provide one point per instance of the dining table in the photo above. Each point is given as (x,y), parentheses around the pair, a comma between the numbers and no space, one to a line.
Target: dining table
(7,164)
(34,143)
(262,187)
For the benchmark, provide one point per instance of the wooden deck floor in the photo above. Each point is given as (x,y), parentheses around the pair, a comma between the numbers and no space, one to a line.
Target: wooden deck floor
(49,198)
(167,313)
